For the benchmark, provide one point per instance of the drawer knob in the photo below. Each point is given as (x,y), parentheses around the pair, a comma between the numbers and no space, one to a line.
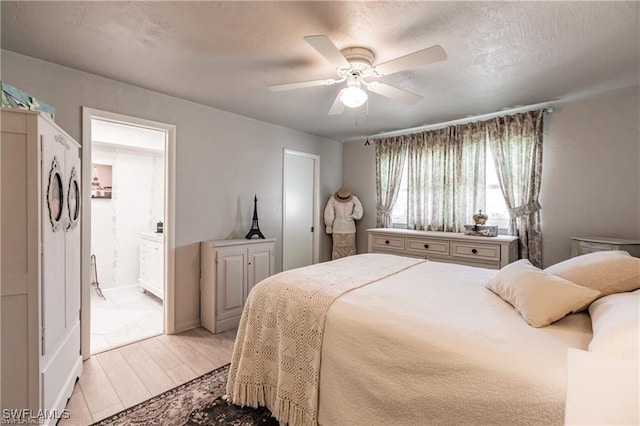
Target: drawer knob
(474,251)
(426,246)
(386,242)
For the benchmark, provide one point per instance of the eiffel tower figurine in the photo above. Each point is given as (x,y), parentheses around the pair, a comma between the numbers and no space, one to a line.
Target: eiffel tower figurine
(255,229)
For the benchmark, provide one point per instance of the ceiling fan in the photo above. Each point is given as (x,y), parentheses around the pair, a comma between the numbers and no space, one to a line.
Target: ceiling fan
(355,66)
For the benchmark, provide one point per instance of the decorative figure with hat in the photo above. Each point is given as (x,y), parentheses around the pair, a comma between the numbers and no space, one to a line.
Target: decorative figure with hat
(340,214)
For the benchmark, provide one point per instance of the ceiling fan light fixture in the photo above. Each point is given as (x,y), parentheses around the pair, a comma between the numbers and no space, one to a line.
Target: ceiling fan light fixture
(353,97)
(355,65)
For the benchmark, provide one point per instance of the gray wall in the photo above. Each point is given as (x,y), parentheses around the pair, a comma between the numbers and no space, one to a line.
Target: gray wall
(590,173)
(222,159)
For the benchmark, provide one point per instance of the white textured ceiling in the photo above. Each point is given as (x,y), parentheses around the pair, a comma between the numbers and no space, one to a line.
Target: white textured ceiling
(225,54)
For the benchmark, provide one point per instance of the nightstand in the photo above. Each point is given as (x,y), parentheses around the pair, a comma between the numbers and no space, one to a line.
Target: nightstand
(584,245)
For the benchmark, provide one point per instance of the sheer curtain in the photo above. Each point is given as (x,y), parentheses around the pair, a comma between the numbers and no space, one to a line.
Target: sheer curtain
(390,156)
(446,177)
(516,143)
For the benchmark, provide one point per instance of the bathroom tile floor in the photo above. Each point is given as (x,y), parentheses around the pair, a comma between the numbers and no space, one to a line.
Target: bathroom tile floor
(127,315)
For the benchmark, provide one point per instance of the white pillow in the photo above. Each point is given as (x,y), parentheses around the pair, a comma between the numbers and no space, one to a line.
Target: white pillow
(608,272)
(615,320)
(540,298)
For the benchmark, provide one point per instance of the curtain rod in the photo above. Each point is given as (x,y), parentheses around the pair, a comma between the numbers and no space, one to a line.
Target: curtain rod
(547,106)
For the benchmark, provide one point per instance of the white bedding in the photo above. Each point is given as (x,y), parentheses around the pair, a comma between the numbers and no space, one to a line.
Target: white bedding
(276,358)
(431,345)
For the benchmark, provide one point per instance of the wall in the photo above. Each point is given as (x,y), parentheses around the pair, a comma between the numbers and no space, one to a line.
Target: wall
(135,206)
(590,173)
(222,160)
(359,175)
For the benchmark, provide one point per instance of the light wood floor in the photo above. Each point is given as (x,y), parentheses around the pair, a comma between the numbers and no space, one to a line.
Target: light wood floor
(120,378)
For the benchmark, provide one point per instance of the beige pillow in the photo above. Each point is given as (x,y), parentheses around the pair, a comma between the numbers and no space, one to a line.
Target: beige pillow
(615,320)
(540,298)
(606,271)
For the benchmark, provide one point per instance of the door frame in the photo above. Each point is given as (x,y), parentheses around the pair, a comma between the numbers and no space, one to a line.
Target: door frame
(316,202)
(169,217)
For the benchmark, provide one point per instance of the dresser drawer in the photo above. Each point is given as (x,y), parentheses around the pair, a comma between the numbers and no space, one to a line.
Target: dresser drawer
(451,247)
(589,247)
(427,246)
(477,251)
(385,242)
(585,245)
(459,260)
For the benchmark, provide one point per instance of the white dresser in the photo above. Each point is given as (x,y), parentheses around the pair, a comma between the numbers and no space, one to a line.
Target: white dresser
(151,277)
(228,271)
(584,245)
(40,264)
(449,247)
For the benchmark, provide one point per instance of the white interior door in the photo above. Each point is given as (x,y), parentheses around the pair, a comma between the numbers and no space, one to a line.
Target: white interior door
(300,242)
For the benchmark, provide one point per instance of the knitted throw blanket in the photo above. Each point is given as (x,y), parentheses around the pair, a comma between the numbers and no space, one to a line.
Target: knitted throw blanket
(276,358)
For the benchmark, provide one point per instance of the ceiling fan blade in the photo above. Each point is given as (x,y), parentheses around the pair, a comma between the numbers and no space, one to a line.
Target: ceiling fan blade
(394,93)
(338,107)
(301,85)
(326,48)
(413,60)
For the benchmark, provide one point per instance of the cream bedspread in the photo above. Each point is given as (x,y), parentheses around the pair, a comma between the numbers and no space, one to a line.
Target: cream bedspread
(431,345)
(276,358)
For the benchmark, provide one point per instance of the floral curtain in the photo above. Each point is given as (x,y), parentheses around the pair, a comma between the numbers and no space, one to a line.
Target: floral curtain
(390,156)
(446,177)
(516,143)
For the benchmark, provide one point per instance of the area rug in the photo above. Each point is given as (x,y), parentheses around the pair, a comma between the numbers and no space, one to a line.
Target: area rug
(197,402)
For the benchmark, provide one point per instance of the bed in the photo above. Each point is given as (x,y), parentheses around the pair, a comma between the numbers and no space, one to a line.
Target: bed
(398,341)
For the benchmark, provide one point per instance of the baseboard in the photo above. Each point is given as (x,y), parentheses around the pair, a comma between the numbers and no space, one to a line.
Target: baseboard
(187,325)
(227,324)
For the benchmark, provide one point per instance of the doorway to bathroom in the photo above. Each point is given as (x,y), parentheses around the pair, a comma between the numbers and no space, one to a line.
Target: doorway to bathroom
(125,174)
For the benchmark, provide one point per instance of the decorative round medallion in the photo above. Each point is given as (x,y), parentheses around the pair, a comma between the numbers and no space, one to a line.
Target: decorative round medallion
(73,199)
(55,195)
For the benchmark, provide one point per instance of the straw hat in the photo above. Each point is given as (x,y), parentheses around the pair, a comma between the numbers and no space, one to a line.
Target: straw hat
(343,195)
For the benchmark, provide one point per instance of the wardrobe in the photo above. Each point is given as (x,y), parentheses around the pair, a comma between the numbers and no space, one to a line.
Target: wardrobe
(40,263)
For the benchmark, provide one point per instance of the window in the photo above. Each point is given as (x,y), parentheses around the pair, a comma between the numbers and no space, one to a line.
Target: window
(399,212)
(495,206)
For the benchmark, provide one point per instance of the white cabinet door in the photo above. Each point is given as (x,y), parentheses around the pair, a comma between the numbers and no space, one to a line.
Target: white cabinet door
(151,277)
(54,223)
(60,363)
(231,281)
(157,272)
(261,264)
(73,206)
